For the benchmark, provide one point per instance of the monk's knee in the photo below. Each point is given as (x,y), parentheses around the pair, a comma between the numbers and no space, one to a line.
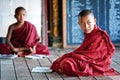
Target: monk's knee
(67,67)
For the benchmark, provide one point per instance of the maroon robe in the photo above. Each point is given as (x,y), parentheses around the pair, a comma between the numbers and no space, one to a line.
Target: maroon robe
(92,58)
(25,36)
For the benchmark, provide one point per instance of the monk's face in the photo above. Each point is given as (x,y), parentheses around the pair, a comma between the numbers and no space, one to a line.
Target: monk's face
(20,16)
(87,23)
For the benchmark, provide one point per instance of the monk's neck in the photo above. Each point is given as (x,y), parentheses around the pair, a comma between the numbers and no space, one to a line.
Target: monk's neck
(20,23)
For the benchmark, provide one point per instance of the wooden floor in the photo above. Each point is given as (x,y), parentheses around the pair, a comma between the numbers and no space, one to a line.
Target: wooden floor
(20,68)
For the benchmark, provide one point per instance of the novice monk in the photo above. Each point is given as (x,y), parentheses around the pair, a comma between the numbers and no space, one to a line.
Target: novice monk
(22,37)
(93,57)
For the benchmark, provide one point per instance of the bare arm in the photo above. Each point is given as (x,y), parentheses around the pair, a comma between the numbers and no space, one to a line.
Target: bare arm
(14,49)
(9,34)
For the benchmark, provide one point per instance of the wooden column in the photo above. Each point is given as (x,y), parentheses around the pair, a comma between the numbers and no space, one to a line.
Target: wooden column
(55,18)
(54,30)
(53,23)
(44,22)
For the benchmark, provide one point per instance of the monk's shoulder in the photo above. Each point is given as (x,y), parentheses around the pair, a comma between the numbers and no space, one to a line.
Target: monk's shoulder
(103,32)
(12,26)
(30,24)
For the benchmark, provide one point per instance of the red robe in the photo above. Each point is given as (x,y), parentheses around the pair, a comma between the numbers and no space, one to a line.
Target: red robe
(92,58)
(25,36)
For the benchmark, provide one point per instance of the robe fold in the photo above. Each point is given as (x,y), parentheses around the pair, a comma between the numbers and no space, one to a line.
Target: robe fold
(92,58)
(25,36)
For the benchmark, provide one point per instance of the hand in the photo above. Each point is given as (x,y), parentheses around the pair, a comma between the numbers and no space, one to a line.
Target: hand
(33,50)
(15,49)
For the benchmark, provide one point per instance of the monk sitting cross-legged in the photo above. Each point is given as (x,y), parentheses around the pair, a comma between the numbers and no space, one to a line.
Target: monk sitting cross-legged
(93,57)
(22,37)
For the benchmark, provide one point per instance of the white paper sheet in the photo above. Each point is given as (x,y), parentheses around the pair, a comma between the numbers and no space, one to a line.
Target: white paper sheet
(36,56)
(10,56)
(42,69)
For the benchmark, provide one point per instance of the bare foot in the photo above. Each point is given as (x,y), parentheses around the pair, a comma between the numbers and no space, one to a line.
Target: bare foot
(60,71)
(32,50)
(20,54)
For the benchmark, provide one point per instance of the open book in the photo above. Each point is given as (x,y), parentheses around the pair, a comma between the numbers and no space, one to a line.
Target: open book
(35,56)
(10,56)
(42,69)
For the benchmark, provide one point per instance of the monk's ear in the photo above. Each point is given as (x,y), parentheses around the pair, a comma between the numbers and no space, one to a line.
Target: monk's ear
(95,20)
(78,23)
(14,16)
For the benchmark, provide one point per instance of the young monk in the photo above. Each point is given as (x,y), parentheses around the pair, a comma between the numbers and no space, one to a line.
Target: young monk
(94,55)
(22,37)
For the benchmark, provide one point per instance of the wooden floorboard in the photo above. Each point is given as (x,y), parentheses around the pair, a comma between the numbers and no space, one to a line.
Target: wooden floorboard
(32,63)
(115,77)
(22,71)
(21,68)
(7,70)
(87,78)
